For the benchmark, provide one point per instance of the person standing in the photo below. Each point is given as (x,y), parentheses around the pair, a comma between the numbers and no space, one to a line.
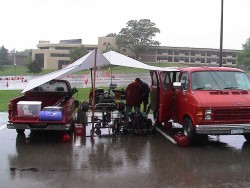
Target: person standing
(133,97)
(144,94)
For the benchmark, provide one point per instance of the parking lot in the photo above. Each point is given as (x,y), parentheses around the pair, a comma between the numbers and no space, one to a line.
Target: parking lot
(42,159)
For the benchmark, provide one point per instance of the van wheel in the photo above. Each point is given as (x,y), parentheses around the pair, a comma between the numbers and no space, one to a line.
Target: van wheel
(20,131)
(188,130)
(247,137)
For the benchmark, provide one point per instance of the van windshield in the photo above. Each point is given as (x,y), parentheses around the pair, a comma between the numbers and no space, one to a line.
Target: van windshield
(219,80)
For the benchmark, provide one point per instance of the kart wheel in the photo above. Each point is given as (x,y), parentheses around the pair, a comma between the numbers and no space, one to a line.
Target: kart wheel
(98,132)
(247,137)
(20,131)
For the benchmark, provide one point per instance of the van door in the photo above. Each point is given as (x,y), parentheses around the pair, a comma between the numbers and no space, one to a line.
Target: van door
(154,94)
(181,97)
(161,94)
(166,95)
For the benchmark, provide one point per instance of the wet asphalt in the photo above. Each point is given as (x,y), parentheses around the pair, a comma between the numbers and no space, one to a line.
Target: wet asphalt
(43,159)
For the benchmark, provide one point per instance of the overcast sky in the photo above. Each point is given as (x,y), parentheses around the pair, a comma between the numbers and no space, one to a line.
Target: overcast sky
(183,23)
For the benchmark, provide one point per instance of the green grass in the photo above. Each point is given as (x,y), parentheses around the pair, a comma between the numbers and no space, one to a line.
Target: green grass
(20,71)
(6,95)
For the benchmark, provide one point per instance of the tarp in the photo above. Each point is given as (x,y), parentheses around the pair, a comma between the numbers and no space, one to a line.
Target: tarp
(88,62)
(85,62)
(116,58)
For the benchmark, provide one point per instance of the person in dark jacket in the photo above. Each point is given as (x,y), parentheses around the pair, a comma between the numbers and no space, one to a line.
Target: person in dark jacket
(133,96)
(144,94)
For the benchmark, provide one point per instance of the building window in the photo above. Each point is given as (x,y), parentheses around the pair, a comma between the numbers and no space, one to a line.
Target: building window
(58,55)
(208,60)
(170,59)
(192,53)
(63,48)
(197,59)
(192,60)
(62,63)
(40,58)
(182,59)
(159,51)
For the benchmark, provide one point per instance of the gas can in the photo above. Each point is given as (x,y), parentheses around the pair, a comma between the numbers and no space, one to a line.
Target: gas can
(181,139)
(79,129)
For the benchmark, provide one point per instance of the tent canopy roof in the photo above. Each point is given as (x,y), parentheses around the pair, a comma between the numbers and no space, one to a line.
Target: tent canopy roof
(90,60)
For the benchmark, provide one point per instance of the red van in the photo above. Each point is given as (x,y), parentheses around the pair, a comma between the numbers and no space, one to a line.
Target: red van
(202,100)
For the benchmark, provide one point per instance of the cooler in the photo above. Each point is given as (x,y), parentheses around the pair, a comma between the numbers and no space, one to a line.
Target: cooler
(49,115)
(28,108)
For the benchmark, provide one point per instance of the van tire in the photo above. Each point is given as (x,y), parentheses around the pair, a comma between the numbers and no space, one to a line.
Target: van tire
(188,129)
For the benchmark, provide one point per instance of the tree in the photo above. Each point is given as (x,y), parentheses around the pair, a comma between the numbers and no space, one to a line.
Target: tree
(4,57)
(111,35)
(243,57)
(137,36)
(34,66)
(77,53)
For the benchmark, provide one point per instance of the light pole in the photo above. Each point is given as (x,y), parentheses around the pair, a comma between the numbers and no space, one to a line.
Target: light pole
(15,62)
(15,70)
(221,34)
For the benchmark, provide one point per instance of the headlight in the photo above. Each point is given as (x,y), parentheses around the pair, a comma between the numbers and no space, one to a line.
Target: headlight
(208,114)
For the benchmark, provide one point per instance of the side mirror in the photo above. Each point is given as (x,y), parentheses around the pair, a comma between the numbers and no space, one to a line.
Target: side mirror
(177,85)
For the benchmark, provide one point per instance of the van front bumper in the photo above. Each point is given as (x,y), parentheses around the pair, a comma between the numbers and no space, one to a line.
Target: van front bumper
(219,129)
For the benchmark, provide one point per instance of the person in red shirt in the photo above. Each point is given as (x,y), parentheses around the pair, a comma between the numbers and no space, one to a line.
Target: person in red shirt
(133,96)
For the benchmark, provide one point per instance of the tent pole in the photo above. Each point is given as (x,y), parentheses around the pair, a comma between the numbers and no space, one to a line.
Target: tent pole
(91,75)
(111,73)
(93,95)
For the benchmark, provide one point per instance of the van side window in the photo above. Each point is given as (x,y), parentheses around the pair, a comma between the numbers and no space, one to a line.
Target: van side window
(166,81)
(184,81)
(154,79)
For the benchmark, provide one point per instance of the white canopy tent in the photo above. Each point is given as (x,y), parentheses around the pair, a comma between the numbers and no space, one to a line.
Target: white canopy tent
(91,60)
